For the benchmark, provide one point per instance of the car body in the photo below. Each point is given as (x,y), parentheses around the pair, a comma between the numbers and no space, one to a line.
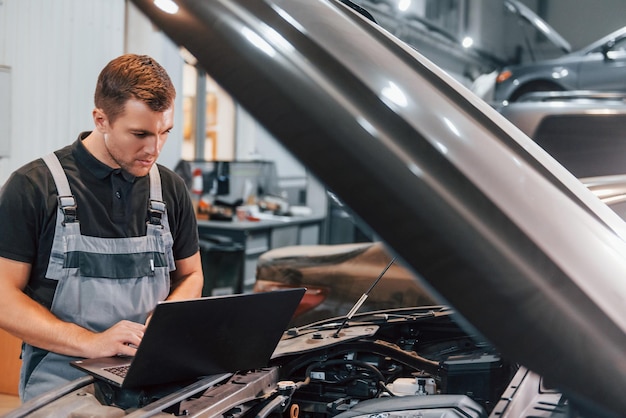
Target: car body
(583,130)
(534,35)
(611,190)
(531,262)
(599,66)
(335,278)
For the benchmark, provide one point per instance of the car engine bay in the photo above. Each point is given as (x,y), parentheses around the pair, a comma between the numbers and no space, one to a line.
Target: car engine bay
(417,353)
(403,362)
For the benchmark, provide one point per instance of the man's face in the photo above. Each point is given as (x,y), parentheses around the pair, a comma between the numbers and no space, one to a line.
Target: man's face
(134,140)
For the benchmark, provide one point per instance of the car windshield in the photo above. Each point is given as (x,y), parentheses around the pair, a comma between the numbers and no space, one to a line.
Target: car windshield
(478,213)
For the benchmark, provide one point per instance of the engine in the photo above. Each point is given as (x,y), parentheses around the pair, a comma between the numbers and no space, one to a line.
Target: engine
(403,363)
(414,361)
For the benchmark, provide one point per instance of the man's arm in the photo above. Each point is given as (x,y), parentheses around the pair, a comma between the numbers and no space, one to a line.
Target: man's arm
(34,324)
(187,280)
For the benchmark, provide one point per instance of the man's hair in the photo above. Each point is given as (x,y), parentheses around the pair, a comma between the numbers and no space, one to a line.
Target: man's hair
(137,77)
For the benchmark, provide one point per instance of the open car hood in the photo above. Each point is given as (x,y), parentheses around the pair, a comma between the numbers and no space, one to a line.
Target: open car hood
(487,221)
(527,15)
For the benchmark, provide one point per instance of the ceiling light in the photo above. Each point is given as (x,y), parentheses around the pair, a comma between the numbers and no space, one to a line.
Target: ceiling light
(168,6)
(467,42)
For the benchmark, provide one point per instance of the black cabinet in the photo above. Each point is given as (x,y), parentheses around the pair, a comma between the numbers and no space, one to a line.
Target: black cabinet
(242,242)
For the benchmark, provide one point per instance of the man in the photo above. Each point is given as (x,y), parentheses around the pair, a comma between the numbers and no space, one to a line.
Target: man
(94,235)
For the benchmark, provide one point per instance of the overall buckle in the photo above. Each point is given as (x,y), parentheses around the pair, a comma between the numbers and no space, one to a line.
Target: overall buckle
(156,209)
(68,205)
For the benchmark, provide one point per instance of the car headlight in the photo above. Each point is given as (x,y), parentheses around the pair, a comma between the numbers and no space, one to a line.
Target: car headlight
(503,76)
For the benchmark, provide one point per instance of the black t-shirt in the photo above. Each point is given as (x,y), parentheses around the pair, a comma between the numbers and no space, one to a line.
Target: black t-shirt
(111,203)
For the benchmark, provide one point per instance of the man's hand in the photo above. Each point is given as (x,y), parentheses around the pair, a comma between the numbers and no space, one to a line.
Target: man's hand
(122,338)
(28,320)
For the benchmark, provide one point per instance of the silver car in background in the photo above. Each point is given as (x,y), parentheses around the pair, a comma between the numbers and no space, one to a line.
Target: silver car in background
(599,66)
(584,131)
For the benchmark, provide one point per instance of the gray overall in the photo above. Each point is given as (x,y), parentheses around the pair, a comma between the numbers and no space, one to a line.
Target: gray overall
(101,281)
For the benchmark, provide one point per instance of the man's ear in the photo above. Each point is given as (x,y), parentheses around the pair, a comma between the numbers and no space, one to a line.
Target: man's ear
(101,120)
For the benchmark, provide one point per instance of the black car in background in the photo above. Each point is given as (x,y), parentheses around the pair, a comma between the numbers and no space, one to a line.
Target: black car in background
(526,264)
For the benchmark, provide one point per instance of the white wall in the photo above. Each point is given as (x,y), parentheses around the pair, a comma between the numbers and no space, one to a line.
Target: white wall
(55,51)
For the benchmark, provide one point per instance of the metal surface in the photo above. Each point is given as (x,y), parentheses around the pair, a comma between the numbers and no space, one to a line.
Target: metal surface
(235,393)
(526,397)
(488,220)
(44,404)
(322,338)
(174,398)
(583,130)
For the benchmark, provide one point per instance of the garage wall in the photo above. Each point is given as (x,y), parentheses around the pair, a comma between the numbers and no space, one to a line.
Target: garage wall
(54,51)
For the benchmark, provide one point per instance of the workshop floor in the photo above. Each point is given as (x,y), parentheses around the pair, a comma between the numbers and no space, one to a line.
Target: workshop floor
(8,403)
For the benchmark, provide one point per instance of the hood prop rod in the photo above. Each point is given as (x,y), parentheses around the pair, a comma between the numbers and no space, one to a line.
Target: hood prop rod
(362,299)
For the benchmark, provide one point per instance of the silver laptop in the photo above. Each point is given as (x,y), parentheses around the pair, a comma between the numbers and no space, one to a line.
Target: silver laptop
(186,340)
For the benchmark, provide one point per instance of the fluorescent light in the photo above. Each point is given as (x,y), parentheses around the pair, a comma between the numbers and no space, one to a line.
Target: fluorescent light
(467,42)
(168,6)
(404,5)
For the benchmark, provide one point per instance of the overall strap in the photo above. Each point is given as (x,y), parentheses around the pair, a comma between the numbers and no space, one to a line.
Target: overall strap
(67,202)
(155,184)
(156,205)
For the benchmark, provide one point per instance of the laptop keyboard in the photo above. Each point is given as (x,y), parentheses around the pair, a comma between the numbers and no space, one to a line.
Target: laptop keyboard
(118,370)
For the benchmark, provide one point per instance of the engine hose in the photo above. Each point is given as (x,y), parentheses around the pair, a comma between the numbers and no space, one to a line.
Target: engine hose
(344,362)
(305,382)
